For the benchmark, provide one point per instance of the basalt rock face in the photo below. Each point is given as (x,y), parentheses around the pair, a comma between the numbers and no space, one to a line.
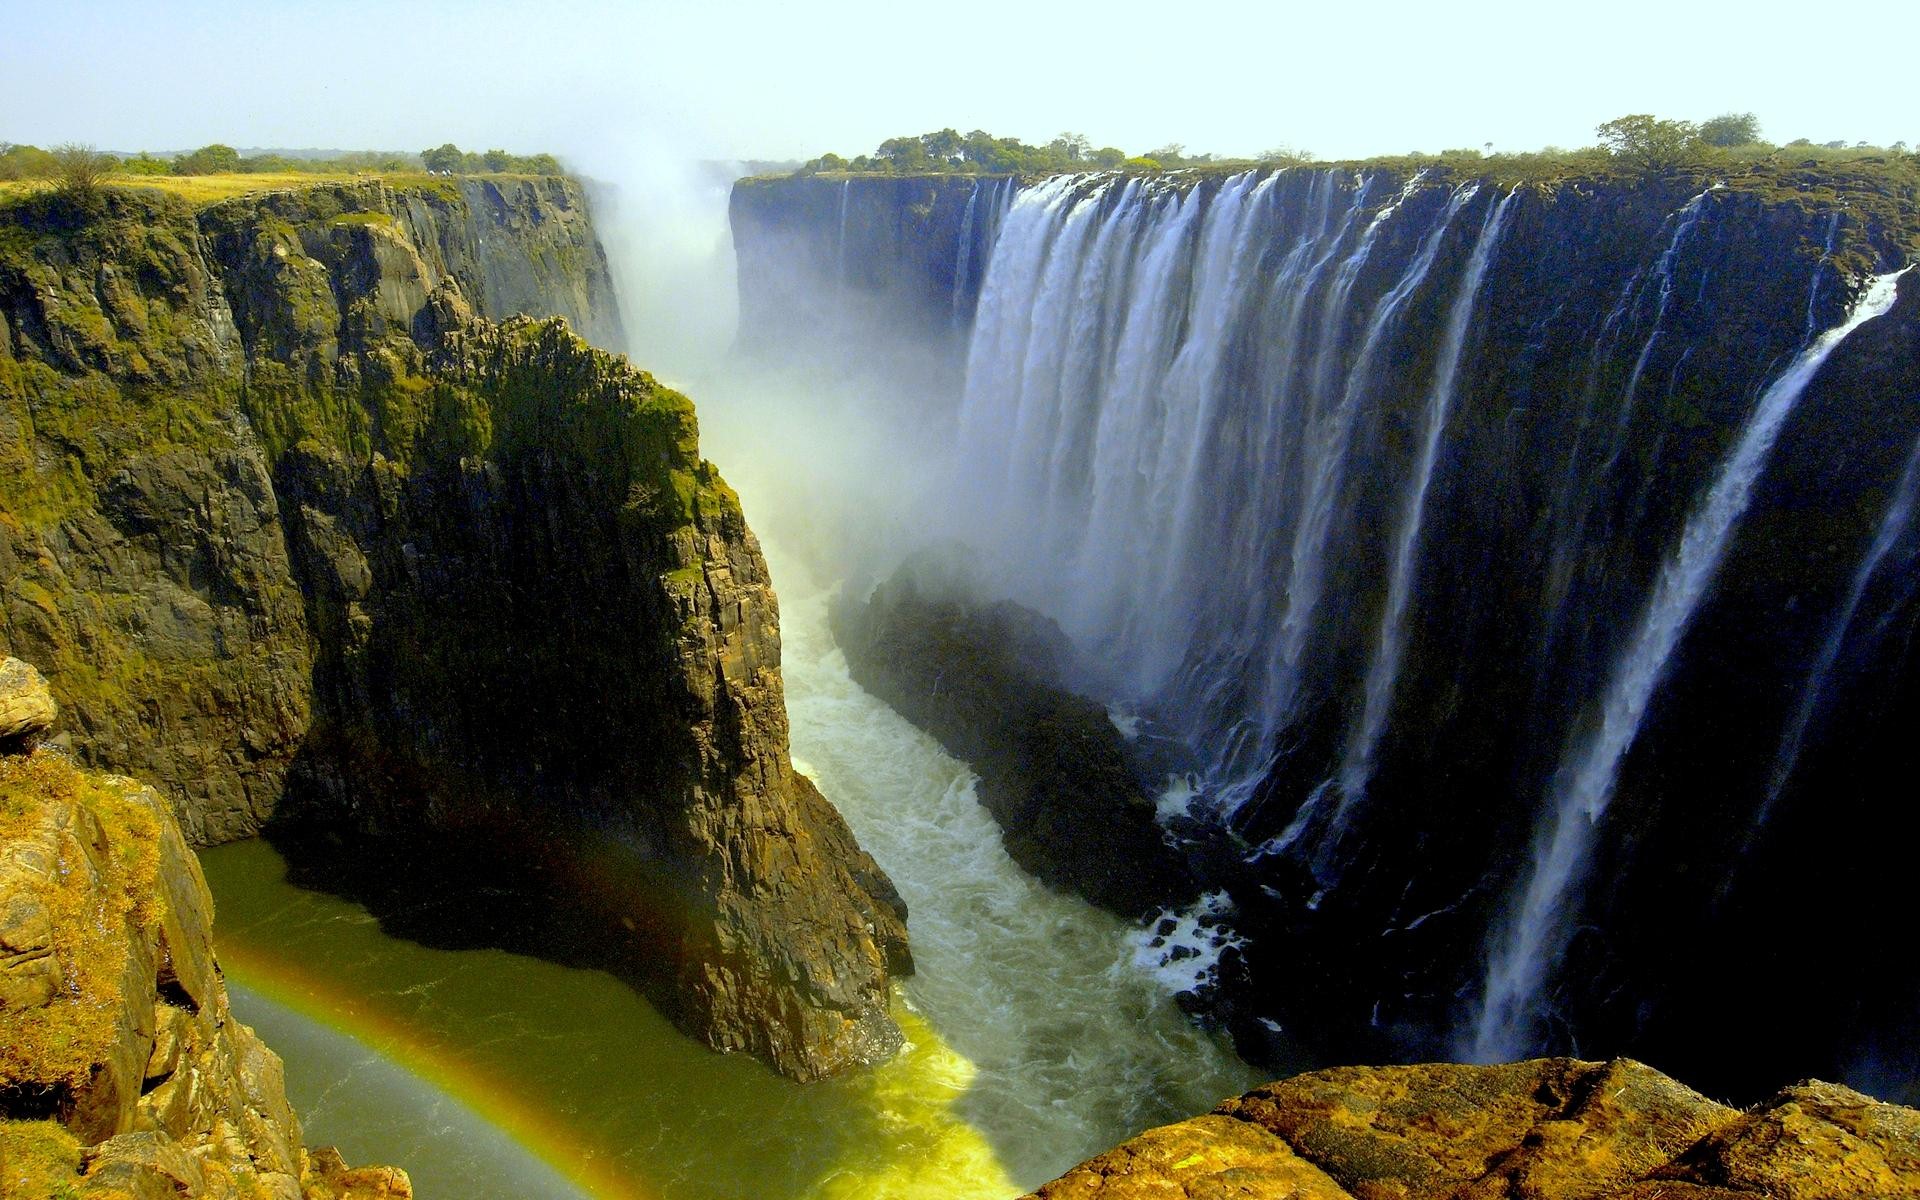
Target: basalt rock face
(301,534)
(1556,1128)
(1380,486)
(988,680)
(123,1071)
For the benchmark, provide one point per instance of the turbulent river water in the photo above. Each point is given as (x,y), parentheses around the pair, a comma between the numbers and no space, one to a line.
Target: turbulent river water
(1038,1035)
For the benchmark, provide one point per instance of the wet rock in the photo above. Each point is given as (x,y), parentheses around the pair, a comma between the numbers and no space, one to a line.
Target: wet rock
(987,680)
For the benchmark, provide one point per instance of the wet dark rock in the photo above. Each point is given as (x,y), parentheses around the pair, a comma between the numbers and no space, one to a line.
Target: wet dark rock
(986,680)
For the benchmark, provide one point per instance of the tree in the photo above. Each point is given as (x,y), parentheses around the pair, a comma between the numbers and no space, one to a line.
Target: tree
(1649,144)
(1731,129)
(1071,146)
(81,170)
(1109,157)
(943,144)
(497,161)
(444,160)
(1170,155)
(1284,153)
(208,160)
(146,164)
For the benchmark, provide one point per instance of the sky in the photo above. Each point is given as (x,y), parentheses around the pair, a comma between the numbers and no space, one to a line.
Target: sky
(792,80)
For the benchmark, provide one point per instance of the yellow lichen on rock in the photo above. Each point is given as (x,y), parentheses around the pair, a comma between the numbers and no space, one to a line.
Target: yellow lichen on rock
(122,1070)
(1548,1129)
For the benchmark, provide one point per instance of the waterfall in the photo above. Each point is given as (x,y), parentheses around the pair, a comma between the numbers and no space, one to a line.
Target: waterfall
(1330,446)
(840,245)
(1121,349)
(1518,965)
(963,258)
(1893,527)
(1356,767)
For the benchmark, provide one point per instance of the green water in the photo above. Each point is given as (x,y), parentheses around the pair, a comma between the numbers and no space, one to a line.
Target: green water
(1036,1038)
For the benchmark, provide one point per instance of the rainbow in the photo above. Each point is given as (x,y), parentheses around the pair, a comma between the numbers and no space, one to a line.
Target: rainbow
(940,1156)
(490,1094)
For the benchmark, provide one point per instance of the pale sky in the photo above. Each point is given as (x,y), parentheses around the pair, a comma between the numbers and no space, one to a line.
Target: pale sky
(791,80)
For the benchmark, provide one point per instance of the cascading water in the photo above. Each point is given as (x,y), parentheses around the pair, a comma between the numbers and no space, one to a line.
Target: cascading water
(1519,965)
(1357,487)
(840,244)
(963,258)
(1119,345)
(1893,530)
(1357,762)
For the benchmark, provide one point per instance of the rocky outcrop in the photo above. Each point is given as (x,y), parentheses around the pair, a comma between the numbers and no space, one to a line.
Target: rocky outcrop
(1556,1128)
(27,709)
(122,1069)
(988,680)
(303,536)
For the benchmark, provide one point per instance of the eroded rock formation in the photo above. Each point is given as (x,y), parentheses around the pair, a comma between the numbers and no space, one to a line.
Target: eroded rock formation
(989,681)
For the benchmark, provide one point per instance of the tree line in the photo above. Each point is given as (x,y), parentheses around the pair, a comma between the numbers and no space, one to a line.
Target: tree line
(60,162)
(1640,142)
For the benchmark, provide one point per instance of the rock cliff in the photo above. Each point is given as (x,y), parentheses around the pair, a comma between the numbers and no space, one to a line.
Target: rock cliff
(299,532)
(1556,1128)
(122,1070)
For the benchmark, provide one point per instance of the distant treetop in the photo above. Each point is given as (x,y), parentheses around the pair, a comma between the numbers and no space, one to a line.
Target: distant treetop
(981,153)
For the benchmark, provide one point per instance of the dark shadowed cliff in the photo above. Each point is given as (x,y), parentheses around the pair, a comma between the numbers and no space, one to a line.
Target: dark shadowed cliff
(305,535)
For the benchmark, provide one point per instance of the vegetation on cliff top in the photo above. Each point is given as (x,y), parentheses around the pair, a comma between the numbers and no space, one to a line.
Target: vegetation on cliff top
(1638,142)
(219,172)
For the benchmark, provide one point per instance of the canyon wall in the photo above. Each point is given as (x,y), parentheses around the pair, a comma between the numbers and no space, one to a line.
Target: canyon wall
(1524,564)
(306,536)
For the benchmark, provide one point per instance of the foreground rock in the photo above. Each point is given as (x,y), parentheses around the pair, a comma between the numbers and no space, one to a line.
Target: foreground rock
(985,680)
(310,526)
(27,710)
(1549,1128)
(122,1070)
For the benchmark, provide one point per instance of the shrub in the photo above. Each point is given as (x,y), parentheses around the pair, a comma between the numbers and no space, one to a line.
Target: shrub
(80,170)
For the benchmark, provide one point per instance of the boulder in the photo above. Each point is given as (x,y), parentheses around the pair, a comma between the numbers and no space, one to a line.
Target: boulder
(27,710)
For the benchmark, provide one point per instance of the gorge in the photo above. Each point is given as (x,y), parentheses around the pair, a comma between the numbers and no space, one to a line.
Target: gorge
(1435,613)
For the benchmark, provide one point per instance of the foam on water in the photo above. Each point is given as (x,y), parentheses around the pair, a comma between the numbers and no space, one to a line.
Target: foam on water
(1181,949)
